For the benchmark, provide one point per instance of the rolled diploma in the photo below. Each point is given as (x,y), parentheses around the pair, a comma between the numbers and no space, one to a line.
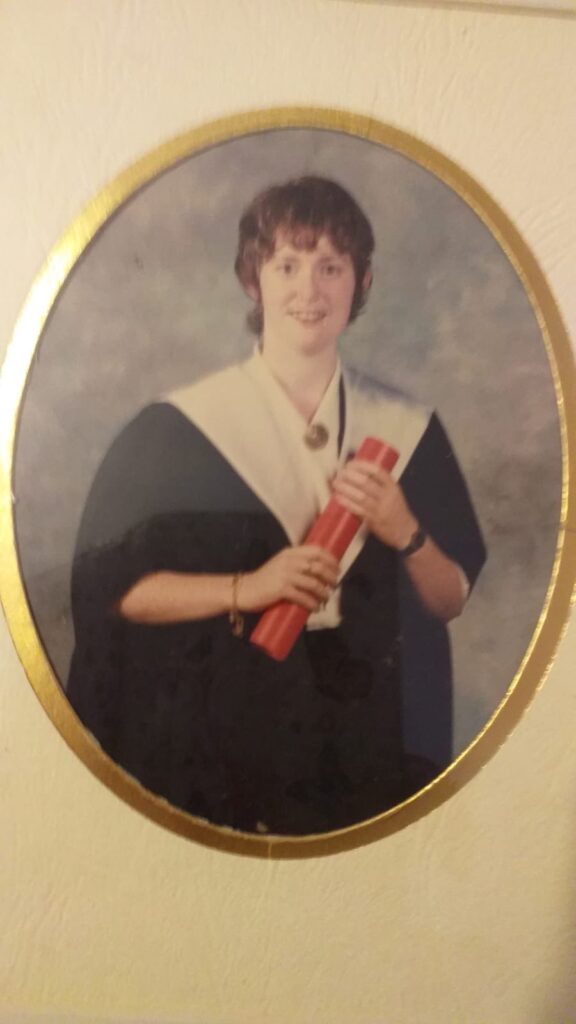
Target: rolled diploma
(281,624)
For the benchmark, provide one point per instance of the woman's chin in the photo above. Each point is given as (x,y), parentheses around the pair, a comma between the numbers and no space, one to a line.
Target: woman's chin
(301,338)
(313,339)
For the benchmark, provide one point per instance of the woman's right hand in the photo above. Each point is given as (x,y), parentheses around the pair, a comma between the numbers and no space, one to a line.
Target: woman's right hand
(304,575)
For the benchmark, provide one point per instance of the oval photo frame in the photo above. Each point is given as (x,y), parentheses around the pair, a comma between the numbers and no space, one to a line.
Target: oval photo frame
(449,258)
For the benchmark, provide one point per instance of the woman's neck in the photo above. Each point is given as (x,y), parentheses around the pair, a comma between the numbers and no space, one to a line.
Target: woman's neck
(304,378)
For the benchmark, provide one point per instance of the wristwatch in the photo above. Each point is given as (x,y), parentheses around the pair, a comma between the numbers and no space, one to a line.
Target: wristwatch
(417,541)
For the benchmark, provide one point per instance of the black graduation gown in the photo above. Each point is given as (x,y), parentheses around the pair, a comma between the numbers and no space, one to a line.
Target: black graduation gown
(355,720)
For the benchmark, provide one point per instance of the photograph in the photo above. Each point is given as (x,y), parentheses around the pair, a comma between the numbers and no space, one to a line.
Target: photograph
(288,481)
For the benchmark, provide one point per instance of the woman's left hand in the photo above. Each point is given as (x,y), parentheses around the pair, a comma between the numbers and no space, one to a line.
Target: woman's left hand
(373,495)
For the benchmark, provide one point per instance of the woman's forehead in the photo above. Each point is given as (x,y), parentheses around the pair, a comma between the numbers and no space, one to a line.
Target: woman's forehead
(307,238)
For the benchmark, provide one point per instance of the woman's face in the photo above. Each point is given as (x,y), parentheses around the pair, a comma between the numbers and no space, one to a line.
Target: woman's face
(306,296)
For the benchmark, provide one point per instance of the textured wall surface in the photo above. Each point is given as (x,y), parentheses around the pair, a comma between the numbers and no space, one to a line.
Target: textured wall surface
(526,5)
(468,914)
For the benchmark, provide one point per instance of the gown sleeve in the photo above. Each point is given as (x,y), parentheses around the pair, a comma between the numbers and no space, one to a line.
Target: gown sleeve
(112,548)
(159,493)
(162,499)
(438,495)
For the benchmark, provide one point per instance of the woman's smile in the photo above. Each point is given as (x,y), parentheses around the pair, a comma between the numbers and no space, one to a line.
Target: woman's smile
(304,317)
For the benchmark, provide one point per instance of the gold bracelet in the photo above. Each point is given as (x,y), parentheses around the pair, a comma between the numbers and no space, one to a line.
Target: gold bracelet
(236,618)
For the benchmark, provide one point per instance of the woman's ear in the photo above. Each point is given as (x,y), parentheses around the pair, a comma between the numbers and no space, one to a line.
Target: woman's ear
(253,292)
(367,281)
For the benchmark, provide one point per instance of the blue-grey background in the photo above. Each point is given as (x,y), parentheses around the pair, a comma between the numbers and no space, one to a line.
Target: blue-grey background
(154,303)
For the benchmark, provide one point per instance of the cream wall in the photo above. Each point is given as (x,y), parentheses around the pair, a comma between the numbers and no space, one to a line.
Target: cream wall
(469,915)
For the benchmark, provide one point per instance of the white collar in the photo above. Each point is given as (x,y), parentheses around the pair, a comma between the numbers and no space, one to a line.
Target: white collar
(327,414)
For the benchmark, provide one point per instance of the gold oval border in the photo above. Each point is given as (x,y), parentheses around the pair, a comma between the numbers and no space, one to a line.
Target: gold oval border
(27,334)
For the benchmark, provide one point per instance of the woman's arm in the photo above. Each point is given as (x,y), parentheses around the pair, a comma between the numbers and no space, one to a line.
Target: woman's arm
(302,574)
(373,495)
(169,597)
(439,582)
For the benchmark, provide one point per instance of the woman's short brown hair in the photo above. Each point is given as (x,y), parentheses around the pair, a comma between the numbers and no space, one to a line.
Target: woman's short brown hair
(303,210)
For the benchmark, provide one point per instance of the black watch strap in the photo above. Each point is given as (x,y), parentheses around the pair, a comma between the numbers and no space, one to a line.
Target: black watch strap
(417,541)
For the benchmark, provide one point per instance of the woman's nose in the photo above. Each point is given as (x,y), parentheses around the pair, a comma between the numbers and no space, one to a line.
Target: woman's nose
(308,284)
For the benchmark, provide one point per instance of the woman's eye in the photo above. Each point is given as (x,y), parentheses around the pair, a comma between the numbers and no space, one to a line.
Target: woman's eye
(332,269)
(286,269)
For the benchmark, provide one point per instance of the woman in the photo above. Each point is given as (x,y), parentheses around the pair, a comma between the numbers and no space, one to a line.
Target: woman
(194,526)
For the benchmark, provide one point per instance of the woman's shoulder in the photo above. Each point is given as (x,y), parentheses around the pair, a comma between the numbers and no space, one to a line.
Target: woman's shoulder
(149,424)
(173,412)
(380,410)
(372,389)
(205,392)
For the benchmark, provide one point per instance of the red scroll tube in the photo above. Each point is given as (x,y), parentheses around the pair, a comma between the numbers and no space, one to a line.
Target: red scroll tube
(281,624)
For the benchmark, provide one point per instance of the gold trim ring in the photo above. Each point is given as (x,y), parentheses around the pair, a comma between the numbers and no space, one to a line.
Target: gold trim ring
(27,333)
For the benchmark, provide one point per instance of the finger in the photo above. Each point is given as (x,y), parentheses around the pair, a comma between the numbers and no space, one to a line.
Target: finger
(318,552)
(366,476)
(320,588)
(369,469)
(314,569)
(357,508)
(311,584)
(303,598)
(327,573)
(323,578)
(355,480)
(351,492)
(319,556)
(375,492)
(369,493)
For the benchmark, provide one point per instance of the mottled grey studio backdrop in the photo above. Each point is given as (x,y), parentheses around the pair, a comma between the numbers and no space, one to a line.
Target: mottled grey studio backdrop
(155,303)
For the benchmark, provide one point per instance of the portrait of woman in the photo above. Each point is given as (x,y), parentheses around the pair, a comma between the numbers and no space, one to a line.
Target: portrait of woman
(195,524)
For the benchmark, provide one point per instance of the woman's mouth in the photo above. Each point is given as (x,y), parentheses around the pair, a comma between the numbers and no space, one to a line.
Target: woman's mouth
(307,318)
